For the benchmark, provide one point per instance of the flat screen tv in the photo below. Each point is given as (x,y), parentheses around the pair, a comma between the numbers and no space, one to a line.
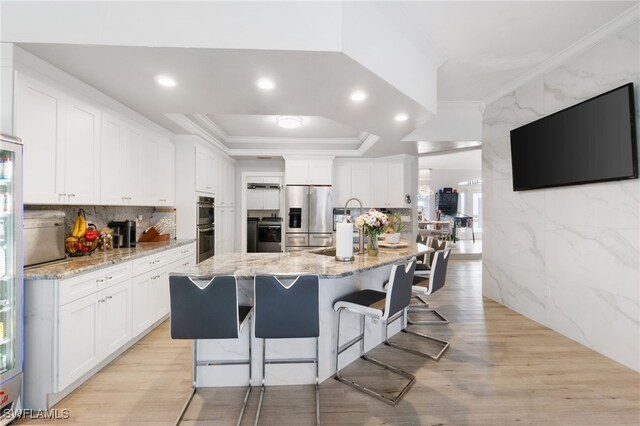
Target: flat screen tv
(593,141)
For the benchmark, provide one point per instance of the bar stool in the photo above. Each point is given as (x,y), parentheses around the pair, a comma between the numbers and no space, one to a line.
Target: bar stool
(210,312)
(379,305)
(427,284)
(436,281)
(423,269)
(287,312)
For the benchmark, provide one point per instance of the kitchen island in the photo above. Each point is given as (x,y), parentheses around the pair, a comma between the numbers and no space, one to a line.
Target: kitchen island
(336,280)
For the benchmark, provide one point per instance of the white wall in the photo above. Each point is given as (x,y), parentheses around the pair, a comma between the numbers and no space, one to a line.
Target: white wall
(579,242)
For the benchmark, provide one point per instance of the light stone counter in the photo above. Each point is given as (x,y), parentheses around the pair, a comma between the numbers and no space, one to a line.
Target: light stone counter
(247,265)
(98,259)
(337,279)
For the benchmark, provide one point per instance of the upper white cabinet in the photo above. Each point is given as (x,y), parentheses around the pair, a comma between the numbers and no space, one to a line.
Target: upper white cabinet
(205,167)
(121,173)
(376,184)
(263,199)
(61,137)
(215,175)
(308,171)
(77,153)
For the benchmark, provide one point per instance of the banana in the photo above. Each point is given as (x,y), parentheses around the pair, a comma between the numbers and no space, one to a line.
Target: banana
(76,226)
(83,226)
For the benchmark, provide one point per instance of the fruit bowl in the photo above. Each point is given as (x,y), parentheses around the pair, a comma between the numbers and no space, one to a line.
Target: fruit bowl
(83,239)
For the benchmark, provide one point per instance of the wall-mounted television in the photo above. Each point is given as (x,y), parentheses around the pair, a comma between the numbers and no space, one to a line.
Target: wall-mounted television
(593,141)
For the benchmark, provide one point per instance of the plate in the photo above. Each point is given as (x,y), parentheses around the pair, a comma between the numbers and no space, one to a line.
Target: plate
(401,244)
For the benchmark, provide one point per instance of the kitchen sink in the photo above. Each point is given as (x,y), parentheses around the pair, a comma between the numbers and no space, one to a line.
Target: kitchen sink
(332,252)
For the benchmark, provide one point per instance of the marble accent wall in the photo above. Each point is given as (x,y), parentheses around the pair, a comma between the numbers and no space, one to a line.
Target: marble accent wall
(101,215)
(566,257)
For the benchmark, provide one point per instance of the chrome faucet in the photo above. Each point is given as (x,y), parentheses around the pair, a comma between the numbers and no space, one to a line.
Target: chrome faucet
(361,229)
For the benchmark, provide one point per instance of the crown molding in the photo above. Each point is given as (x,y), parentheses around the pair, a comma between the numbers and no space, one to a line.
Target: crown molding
(301,141)
(605,31)
(477,105)
(368,143)
(213,128)
(189,125)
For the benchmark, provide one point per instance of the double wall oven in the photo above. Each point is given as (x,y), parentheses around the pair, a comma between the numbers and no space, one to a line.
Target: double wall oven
(206,228)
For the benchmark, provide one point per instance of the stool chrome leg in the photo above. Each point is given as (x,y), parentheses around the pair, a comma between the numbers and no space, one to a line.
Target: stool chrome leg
(421,308)
(194,372)
(317,381)
(264,345)
(423,336)
(246,396)
(365,357)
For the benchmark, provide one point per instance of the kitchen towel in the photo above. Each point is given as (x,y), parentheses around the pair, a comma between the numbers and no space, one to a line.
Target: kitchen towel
(344,240)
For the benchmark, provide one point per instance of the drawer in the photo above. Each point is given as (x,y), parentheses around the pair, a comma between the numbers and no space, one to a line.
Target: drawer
(184,252)
(85,284)
(149,263)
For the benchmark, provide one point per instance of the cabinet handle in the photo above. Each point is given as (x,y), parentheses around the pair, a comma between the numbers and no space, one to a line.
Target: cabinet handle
(100,300)
(108,278)
(185,264)
(162,199)
(109,297)
(71,195)
(100,280)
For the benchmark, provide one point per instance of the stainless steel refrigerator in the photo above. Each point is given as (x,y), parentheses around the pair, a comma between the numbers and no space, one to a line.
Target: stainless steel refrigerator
(10,277)
(309,219)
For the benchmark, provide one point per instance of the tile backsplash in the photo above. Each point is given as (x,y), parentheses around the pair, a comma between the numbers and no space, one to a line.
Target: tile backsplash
(101,215)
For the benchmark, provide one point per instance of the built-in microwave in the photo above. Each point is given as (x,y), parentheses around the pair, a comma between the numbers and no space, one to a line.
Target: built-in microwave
(205,211)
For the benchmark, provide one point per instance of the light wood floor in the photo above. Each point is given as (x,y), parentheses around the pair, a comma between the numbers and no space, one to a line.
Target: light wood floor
(502,368)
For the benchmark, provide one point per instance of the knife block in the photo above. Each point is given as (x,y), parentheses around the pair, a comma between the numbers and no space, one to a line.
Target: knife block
(151,236)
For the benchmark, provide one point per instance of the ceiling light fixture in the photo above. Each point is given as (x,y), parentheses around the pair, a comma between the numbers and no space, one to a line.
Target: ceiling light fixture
(289,121)
(358,96)
(401,117)
(166,81)
(265,84)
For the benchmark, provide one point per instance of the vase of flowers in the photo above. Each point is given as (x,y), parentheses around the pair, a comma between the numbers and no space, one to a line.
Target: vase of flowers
(375,223)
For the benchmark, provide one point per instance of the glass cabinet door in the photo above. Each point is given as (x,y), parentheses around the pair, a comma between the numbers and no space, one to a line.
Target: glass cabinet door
(8,276)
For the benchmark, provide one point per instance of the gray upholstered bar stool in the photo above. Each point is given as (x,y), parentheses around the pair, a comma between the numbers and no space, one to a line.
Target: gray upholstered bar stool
(429,283)
(386,307)
(423,271)
(435,282)
(210,312)
(287,312)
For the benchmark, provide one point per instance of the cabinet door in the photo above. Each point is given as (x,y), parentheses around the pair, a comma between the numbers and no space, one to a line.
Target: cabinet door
(81,152)
(341,185)
(320,172)
(36,121)
(270,199)
(78,339)
(231,236)
(203,171)
(397,190)
(132,179)
(231,184)
(296,172)
(142,302)
(116,317)
(380,187)
(161,293)
(361,183)
(255,199)
(164,174)
(112,160)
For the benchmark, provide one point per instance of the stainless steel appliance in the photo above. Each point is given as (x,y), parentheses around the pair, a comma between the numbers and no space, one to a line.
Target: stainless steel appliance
(270,235)
(206,229)
(11,317)
(309,221)
(124,233)
(43,236)
(252,234)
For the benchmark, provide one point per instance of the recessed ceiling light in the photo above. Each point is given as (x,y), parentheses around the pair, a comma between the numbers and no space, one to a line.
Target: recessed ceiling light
(265,83)
(358,95)
(166,81)
(401,117)
(289,121)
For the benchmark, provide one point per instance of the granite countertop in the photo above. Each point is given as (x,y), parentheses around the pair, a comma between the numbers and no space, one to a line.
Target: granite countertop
(99,259)
(247,265)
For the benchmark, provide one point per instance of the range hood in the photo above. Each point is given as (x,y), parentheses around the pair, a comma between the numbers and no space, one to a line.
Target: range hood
(258,185)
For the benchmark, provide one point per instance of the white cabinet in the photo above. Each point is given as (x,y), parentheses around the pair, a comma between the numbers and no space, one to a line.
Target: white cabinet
(95,325)
(376,184)
(121,147)
(158,171)
(205,171)
(263,199)
(225,232)
(341,185)
(308,172)
(61,137)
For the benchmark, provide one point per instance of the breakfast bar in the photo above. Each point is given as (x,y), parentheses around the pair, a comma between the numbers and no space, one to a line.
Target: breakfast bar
(336,280)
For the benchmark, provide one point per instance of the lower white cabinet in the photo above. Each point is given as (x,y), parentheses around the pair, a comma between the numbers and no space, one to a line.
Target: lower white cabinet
(73,325)
(92,328)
